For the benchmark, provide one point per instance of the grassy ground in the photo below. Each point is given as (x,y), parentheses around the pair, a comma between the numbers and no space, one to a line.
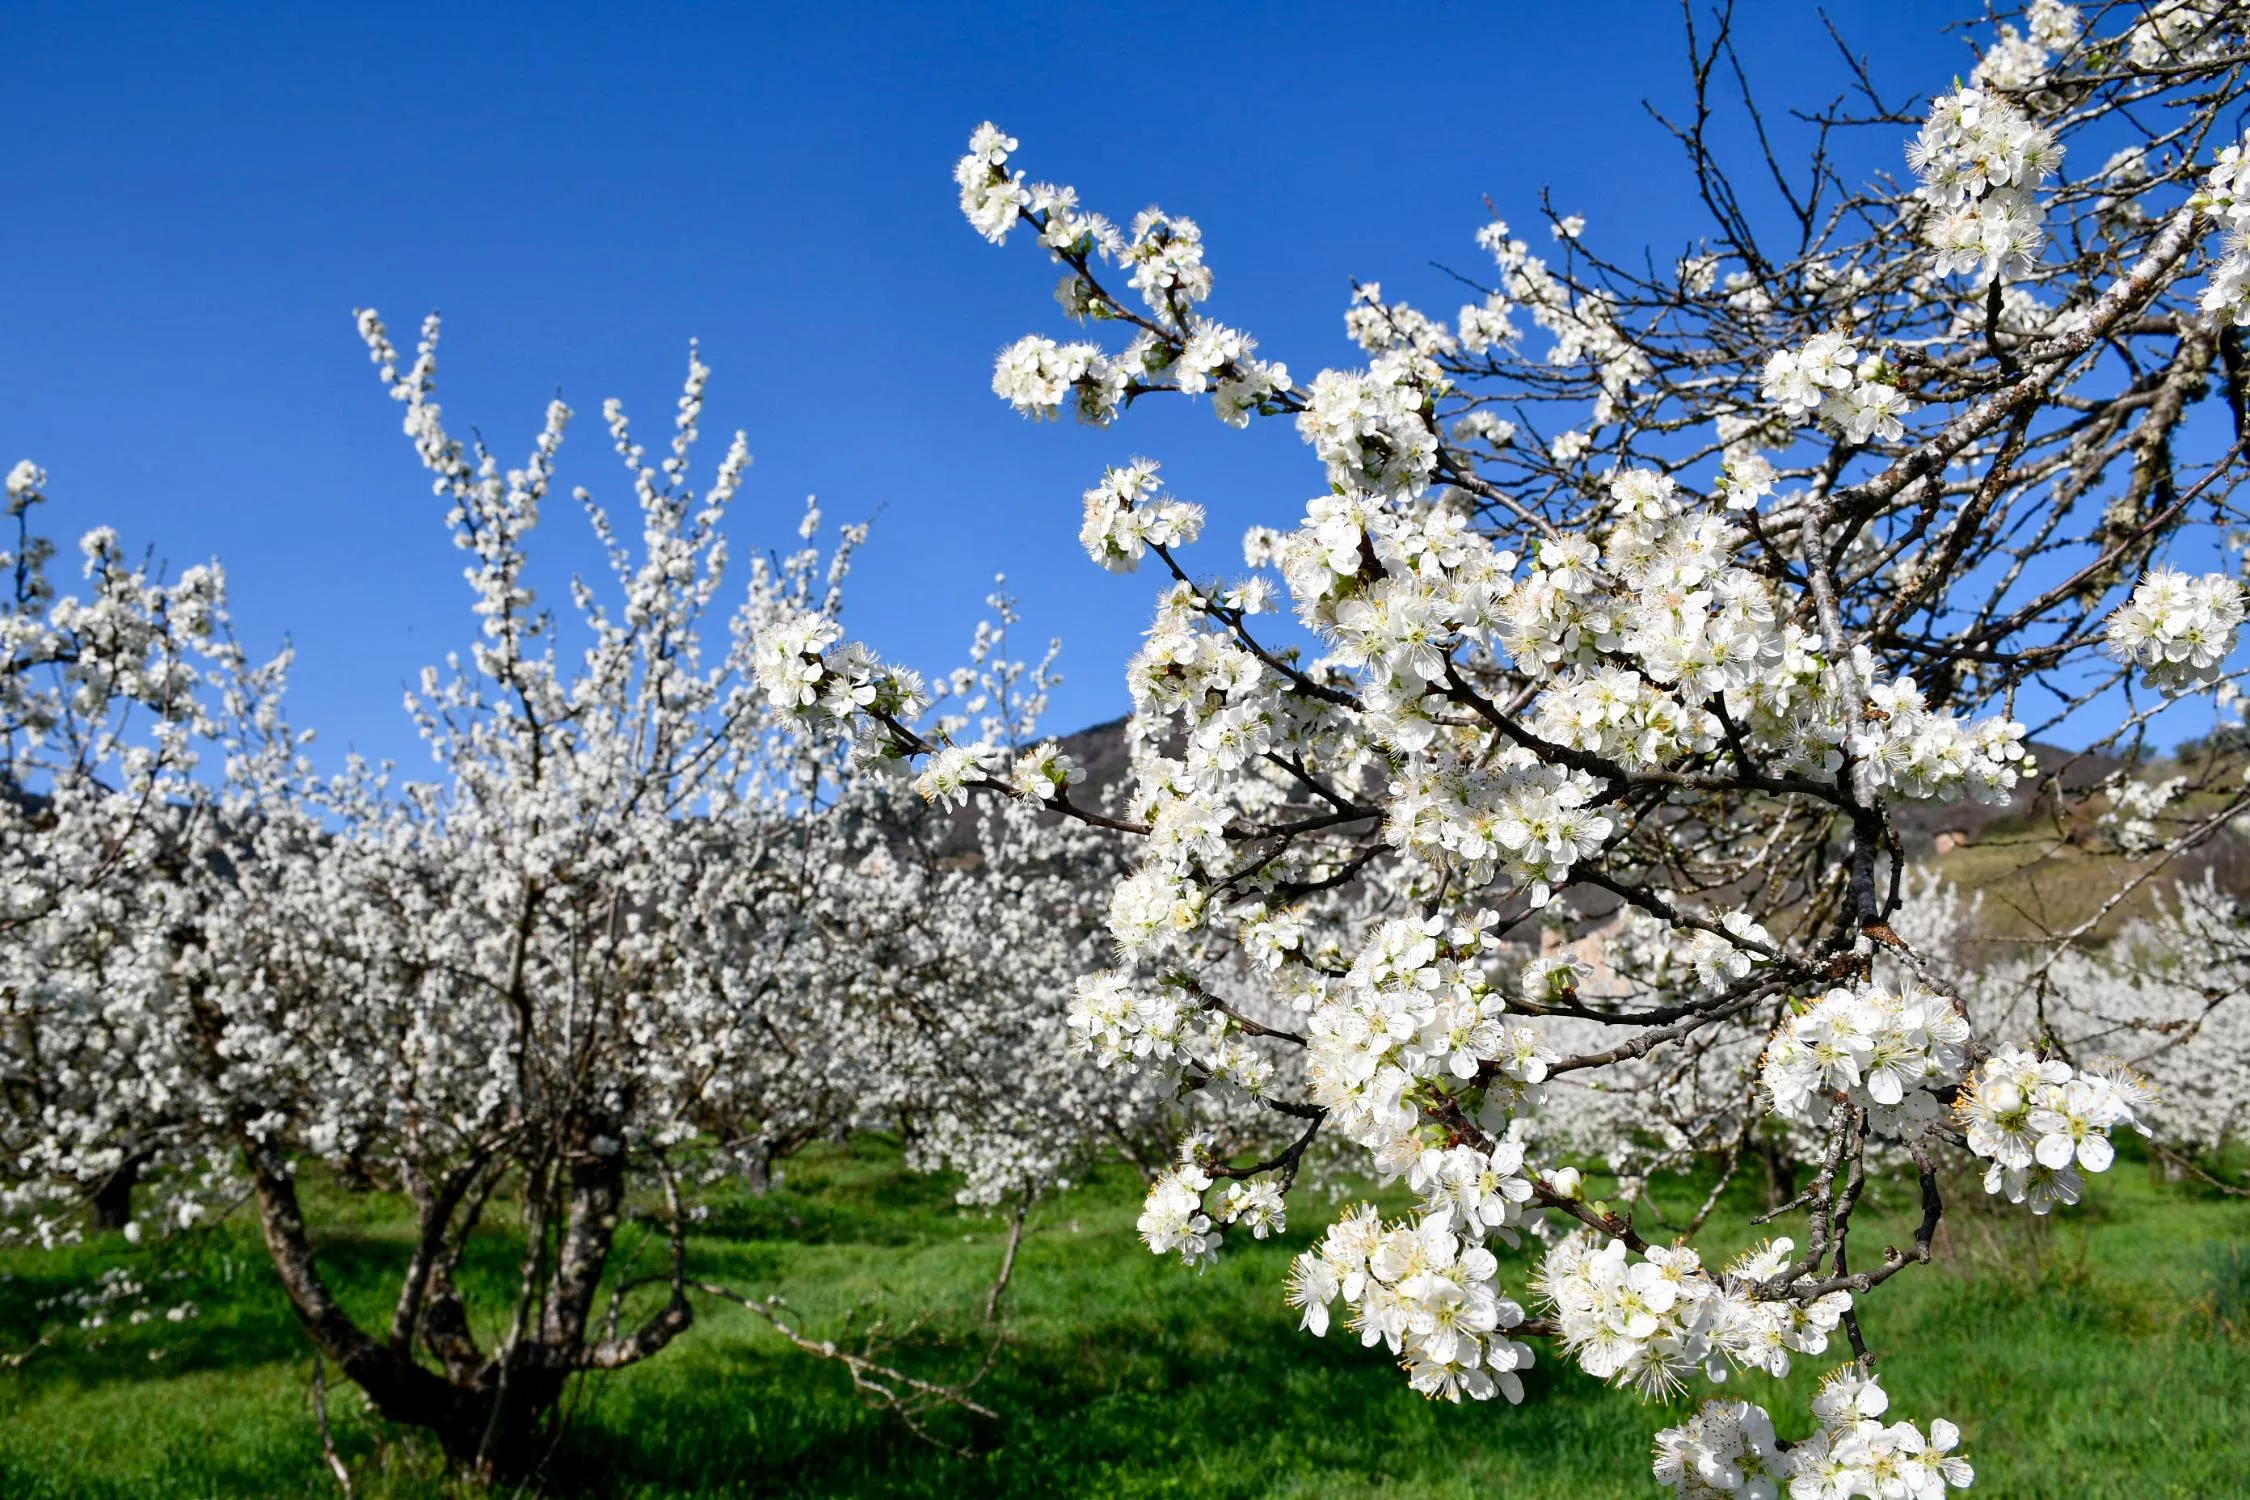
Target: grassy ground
(2090,1358)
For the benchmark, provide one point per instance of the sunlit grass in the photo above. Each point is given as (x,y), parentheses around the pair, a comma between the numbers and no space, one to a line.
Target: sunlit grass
(2099,1355)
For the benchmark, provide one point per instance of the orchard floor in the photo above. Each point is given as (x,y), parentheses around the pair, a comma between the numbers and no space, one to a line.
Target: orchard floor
(2104,1355)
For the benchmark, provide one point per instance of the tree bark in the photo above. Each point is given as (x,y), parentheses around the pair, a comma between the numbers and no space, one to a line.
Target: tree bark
(757,1169)
(459,1416)
(1781,1172)
(112,1198)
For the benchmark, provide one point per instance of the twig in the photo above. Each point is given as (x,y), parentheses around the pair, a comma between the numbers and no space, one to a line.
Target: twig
(883,1384)
(320,1415)
(1007,1262)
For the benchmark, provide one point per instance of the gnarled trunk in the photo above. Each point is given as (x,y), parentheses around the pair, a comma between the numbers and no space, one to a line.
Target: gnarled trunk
(491,1412)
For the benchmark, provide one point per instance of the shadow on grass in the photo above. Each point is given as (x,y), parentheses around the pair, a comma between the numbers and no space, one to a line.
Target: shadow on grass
(1157,1394)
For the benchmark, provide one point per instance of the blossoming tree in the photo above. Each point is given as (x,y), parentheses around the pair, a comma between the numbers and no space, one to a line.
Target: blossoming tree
(635,934)
(84,822)
(1658,588)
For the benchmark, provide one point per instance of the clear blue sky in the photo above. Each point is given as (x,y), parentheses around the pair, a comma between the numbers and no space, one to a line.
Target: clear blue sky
(198,195)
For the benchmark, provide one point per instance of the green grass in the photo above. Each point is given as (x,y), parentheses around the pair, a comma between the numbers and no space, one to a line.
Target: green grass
(2102,1355)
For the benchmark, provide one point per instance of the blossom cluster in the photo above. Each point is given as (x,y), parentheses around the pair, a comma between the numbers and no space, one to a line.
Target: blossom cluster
(1177,1215)
(793,671)
(1981,160)
(1115,1020)
(1418,1019)
(1888,1053)
(1126,515)
(1037,376)
(1373,429)
(2170,33)
(1826,377)
(1172,1217)
(2019,61)
(2226,196)
(1729,1448)
(2177,628)
(1162,254)
(2129,822)
(2037,1121)
(1933,756)
(1665,958)
(1655,1322)
(1425,1289)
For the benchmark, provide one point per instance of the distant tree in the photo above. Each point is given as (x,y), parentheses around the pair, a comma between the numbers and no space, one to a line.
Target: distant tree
(2226,740)
(104,706)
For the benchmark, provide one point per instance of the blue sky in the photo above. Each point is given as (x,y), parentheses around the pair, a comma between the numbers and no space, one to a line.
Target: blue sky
(198,196)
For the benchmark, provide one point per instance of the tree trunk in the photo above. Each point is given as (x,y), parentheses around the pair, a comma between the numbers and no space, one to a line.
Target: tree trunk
(595,1171)
(1781,1171)
(507,1447)
(501,1446)
(491,1412)
(112,1198)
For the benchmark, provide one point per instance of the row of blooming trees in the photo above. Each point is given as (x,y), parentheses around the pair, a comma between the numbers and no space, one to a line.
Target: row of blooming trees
(1663,587)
